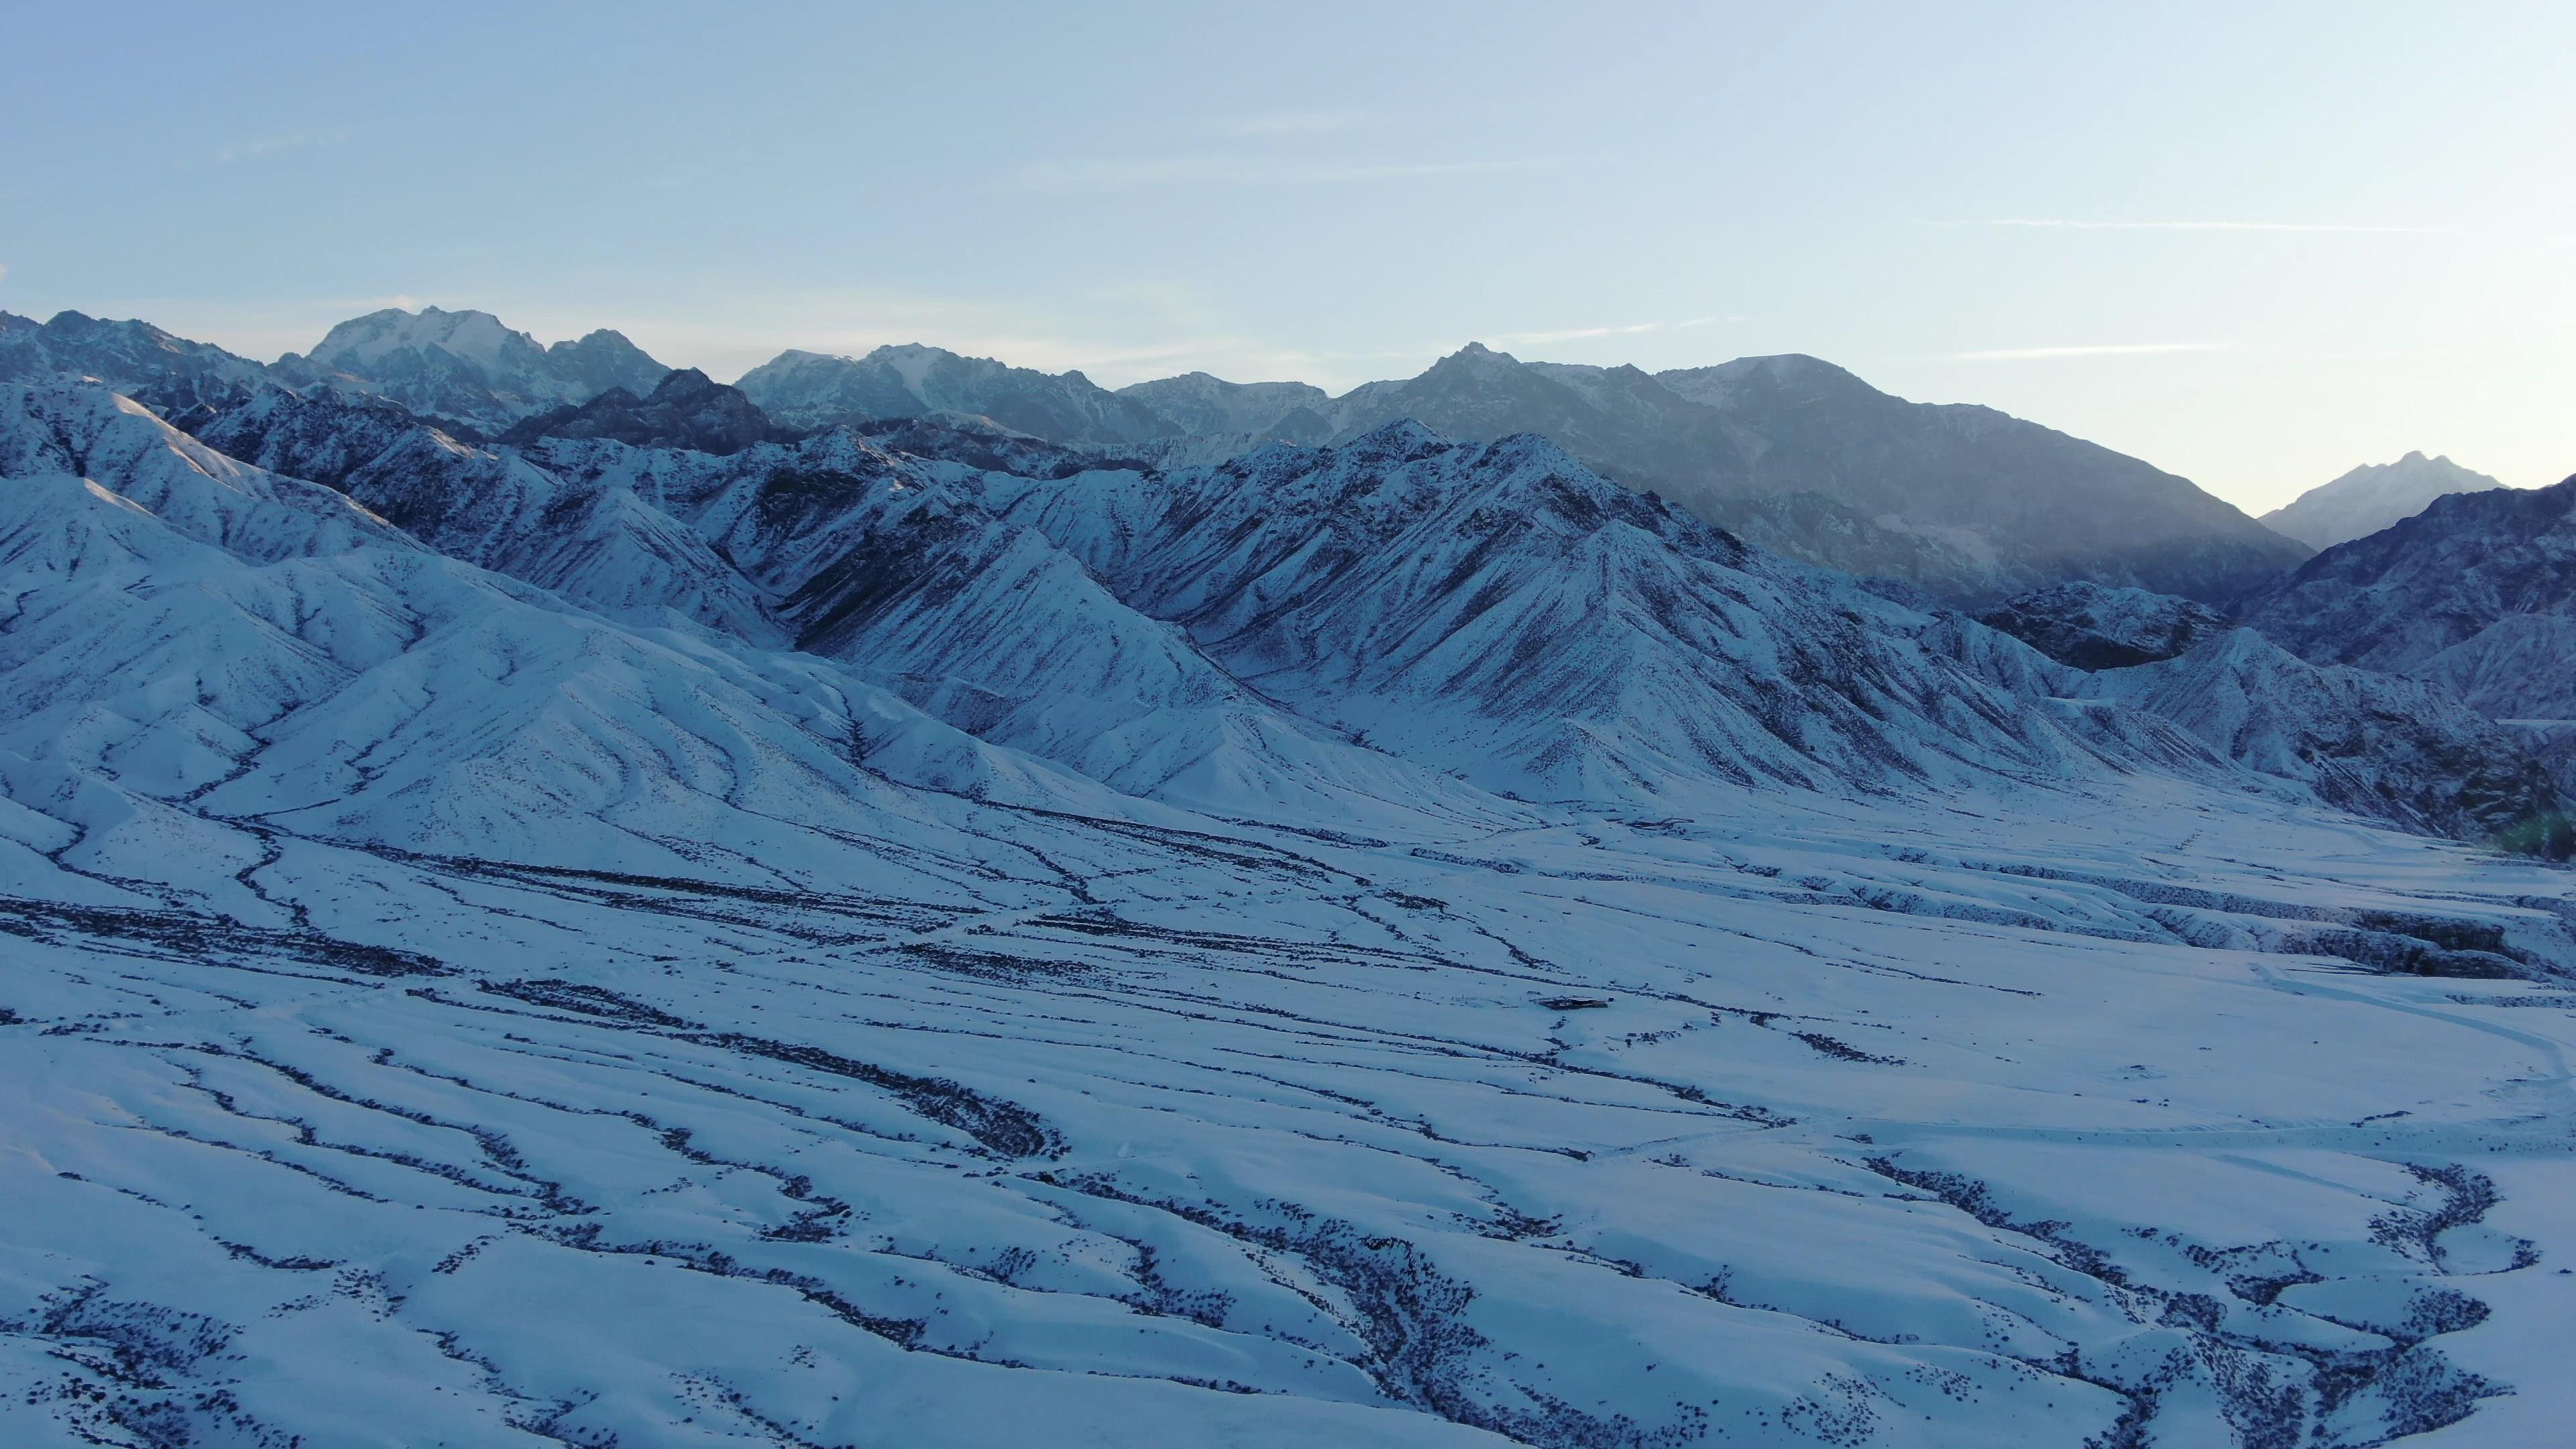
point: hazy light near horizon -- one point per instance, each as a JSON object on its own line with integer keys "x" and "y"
{"x": 2022, "y": 206}
{"x": 2111, "y": 349}
{"x": 2069, "y": 224}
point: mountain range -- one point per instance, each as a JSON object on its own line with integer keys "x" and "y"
{"x": 1796, "y": 454}
{"x": 646, "y": 918}
{"x": 1964, "y": 505}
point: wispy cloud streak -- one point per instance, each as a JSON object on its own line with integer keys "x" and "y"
{"x": 1575, "y": 334}
{"x": 275, "y": 145}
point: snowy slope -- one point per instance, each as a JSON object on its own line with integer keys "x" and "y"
{"x": 2376, "y": 744}
{"x": 2478, "y": 589}
{"x": 602, "y": 547}
{"x": 894, "y": 565}
{"x": 169, "y": 374}
{"x": 441, "y": 1011}
{"x": 1501, "y": 611}
{"x": 2370, "y": 498}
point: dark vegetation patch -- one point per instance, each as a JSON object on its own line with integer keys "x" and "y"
{"x": 1003, "y": 1127}
{"x": 193, "y": 936}
{"x": 588, "y": 1000}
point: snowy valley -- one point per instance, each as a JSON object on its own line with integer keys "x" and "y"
{"x": 546, "y": 900}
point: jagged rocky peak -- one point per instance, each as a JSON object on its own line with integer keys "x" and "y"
{"x": 2371, "y": 497}
{"x": 686, "y": 409}
{"x": 604, "y": 358}
{"x": 2093, "y": 626}
{"x": 169, "y": 374}
{"x": 468, "y": 365}
{"x": 323, "y": 436}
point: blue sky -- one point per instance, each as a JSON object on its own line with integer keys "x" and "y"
{"x": 2256, "y": 245}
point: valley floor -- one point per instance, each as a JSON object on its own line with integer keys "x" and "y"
{"x": 2112, "y": 1117}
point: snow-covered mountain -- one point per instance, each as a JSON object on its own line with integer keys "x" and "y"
{"x": 1793, "y": 454}
{"x": 811, "y": 389}
{"x": 465, "y": 980}
{"x": 468, "y": 366}
{"x": 2478, "y": 589}
{"x": 686, "y": 409}
{"x": 1503, "y": 610}
{"x": 1797, "y": 454}
{"x": 2370, "y": 498}
{"x": 1199, "y": 405}
{"x": 2003, "y": 505}
{"x": 1496, "y": 613}
{"x": 2395, "y": 748}
{"x": 2376, "y": 744}
{"x": 170, "y": 374}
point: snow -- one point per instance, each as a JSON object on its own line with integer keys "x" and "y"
{"x": 475, "y": 337}
{"x": 2372, "y": 497}
{"x": 1074, "y": 997}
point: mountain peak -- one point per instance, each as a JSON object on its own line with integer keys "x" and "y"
{"x": 686, "y": 410}
{"x": 2372, "y": 497}
{"x": 471, "y": 336}
{"x": 469, "y": 365}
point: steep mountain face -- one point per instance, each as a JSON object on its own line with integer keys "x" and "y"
{"x": 2406, "y": 750}
{"x": 2093, "y": 627}
{"x": 323, "y": 437}
{"x": 166, "y": 373}
{"x": 812, "y": 390}
{"x": 2370, "y": 498}
{"x": 685, "y": 410}
{"x": 73, "y": 430}
{"x": 2039, "y": 505}
{"x": 467, "y": 366}
{"x": 1966, "y": 502}
{"x": 1503, "y": 611}
{"x": 604, "y": 548}
{"x": 894, "y": 565}
{"x": 2376, "y": 744}
{"x": 2478, "y": 589}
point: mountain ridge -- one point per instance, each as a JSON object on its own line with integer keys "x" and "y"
{"x": 2478, "y": 588}
{"x": 1965, "y": 501}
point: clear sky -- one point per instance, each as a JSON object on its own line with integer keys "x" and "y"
{"x": 2254, "y": 244}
